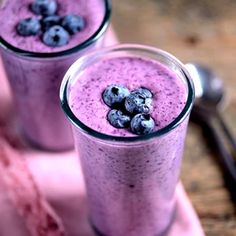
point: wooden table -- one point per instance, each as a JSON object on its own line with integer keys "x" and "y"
{"x": 201, "y": 31}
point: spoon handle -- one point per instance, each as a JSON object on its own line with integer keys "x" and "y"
{"x": 226, "y": 159}
{"x": 215, "y": 138}
{"x": 226, "y": 130}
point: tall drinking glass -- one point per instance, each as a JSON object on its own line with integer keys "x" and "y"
{"x": 130, "y": 181}
{"x": 35, "y": 78}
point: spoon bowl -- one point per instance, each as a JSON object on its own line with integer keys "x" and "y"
{"x": 209, "y": 88}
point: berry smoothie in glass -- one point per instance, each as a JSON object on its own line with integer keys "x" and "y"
{"x": 129, "y": 107}
{"x": 39, "y": 40}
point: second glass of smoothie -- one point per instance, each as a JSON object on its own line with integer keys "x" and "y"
{"x": 35, "y": 70}
{"x": 130, "y": 178}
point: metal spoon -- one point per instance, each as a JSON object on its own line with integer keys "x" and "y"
{"x": 208, "y": 105}
{"x": 209, "y": 94}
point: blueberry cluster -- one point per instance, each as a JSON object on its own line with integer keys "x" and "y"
{"x": 55, "y": 29}
{"x": 129, "y": 109}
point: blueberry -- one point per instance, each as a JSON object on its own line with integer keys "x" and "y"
{"x": 44, "y": 7}
{"x": 56, "y": 36}
{"x": 118, "y": 119}
{"x": 144, "y": 92}
{"x": 142, "y": 124}
{"x": 28, "y": 27}
{"x": 50, "y": 21}
{"x": 139, "y": 101}
{"x": 115, "y": 94}
{"x": 73, "y": 23}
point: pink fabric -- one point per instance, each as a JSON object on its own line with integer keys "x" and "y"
{"x": 59, "y": 178}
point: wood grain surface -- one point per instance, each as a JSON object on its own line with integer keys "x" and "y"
{"x": 202, "y": 31}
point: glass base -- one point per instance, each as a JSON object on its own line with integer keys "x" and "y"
{"x": 164, "y": 233}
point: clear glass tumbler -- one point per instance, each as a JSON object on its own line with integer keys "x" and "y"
{"x": 35, "y": 79}
{"x": 130, "y": 181}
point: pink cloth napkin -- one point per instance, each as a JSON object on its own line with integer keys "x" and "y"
{"x": 59, "y": 185}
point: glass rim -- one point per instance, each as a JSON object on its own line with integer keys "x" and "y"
{"x": 122, "y": 47}
{"x": 93, "y": 38}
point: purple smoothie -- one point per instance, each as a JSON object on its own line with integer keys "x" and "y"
{"x": 169, "y": 93}
{"x": 91, "y": 10}
{"x": 35, "y": 77}
{"x": 130, "y": 179}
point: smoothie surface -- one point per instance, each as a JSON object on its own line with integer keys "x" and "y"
{"x": 85, "y": 99}
{"x": 13, "y": 11}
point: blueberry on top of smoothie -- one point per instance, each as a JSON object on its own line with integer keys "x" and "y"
{"x": 54, "y": 29}
{"x": 144, "y": 92}
{"x": 56, "y": 36}
{"x": 114, "y": 95}
{"x": 133, "y": 108}
{"x": 49, "y": 21}
{"x": 73, "y": 23}
{"x": 44, "y": 7}
{"x": 139, "y": 101}
{"x": 118, "y": 119}
{"x": 28, "y": 27}
{"x": 142, "y": 124}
